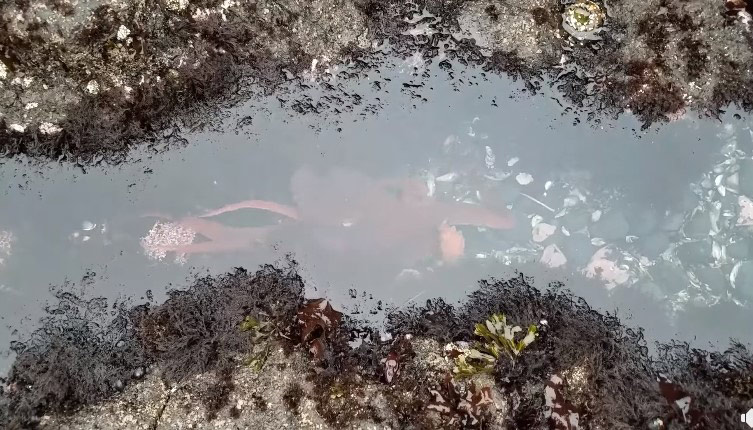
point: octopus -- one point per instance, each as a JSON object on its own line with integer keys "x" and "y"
{"x": 349, "y": 212}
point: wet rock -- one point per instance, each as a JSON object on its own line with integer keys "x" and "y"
{"x": 746, "y": 177}
{"x": 509, "y": 192}
{"x": 134, "y": 67}
{"x": 673, "y": 221}
{"x": 611, "y": 226}
{"x": 695, "y": 253}
{"x": 712, "y": 278}
{"x": 646, "y": 221}
{"x": 577, "y": 219}
{"x": 740, "y": 248}
{"x": 138, "y": 373}
{"x": 143, "y": 67}
{"x": 651, "y": 289}
{"x": 291, "y": 391}
{"x": 148, "y": 396}
{"x": 741, "y": 279}
{"x": 119, "y": 385}
{"x": 698, "y": 225}
{"x": 578, "y": 249}
{"x": 671, "y": 278}
{"x": 530, "y": 207}
{"x": 654, "y": 244}
{"x": 529, "y": 29}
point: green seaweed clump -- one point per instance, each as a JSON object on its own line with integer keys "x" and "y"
{"x": 498, "y": 339}
{"x": 261, "y": 332}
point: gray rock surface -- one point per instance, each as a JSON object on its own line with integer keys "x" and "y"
{"x": 259, "y": 400}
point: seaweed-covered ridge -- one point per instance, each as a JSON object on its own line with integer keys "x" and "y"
{"x": 247, "y": 350}
{"x": 84, "y": 79}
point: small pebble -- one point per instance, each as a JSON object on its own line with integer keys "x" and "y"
{"x": 138, "y": 373}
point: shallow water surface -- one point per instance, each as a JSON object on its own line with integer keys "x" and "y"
{"x": 420, "y": 200}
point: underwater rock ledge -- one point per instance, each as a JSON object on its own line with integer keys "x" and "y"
{"x": 83, "y": 80}
{"x": 246, "y": 350}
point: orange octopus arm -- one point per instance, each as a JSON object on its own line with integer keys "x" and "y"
{"x": 285, "y": 210}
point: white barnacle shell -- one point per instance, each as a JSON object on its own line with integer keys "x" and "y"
{"x": 583, "y": 20}
{"x": 123, "y": 33}
{"x": 92, "y": 87}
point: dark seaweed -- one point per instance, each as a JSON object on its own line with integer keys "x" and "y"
{"x": 77, "y": 358}
{"x": 234, "y": 53}
{"x": 74, "y": 360}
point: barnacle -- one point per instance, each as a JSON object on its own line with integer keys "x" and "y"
{"x": 583, "y": 20}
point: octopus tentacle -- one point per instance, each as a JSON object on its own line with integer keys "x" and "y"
{"x": 278, "y": 208}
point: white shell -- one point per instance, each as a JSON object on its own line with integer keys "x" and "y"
{"x": 490, "y": 158}
{"x": 733, "y": 274}
{"x": 524, "y": 178}
{"x": 553, "y": 257}
{"x": 542, "y": 231}
{"x": 447, "y": 177}
{"x": 431, "y": 185}
{"x": 745, "y": 216}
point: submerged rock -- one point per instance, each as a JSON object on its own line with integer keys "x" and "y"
{"x": 612, "y": 225}
{"x": 741, "y": 279}
{"x": 695, "y": 253}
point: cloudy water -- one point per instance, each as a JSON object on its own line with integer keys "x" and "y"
{"x": 449, "y": 182}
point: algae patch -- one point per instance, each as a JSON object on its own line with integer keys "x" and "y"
{"x": 185, "y": 363}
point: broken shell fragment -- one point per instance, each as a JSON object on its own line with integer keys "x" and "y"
{"x": 542, "y": 231}
{"x": 123, "y": 33}
{"x": 447, "y": 177}
{"x": 553, "y": 257}
{"x": 745, "y": 215}
{"x": 606, "y": 269}
{"x": 741, "y": 279}
{"x": 524, "y": 178}
{"x": 92, "y": 87}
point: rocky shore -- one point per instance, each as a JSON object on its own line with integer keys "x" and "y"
{"x": 84, "y": 80}
{"x": 246, "y": 350}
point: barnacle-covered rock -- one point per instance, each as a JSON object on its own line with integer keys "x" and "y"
{"x": 583, "y": 20}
